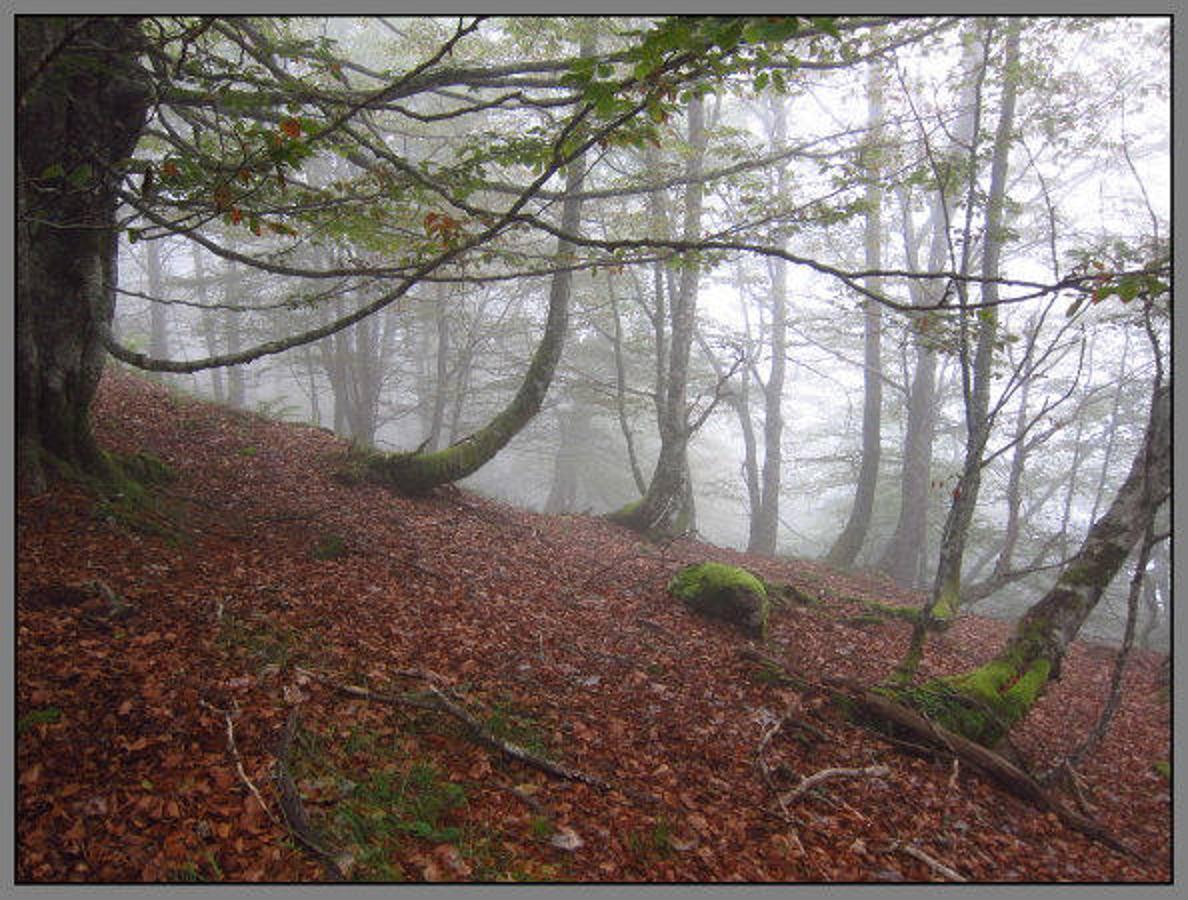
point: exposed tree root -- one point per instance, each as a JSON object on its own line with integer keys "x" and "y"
{"x": 294, "y": 811}
{"x": 983, "y": 759}
{"x": 811, "y": 781}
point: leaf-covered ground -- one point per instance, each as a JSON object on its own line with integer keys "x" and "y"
{"x": 556, "y": 632}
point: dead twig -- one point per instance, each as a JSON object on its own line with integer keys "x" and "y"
{"x": 229, "y": 719}
{"x": 296, "y": 818}
{"x": 809, "y": 782}
{"x": 936, "y": 865}
{"x": 439, "y": 701}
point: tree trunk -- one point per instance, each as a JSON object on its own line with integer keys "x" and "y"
{"x": 233, "y": 336}
{"x": 665, "y": 509}
{"x": 158, "y": 319}
{"x": 946, "y": 591}
{"x": 765, "y": 519}
{"x": 573, "y": 429}
{"x": 849, "y": 543}
{"x": 207, "y": 323}
{"x": 903, "y": 557}
{"x": 82, "y": 102}
{"x": 417, "y": 472}
{"x": 1007, "y": 687}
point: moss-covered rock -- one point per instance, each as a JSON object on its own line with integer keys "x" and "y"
{"x": 724, "y": 592}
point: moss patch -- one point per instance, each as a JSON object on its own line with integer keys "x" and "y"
{"x": 981, "y": 705}
{"x": 724, "y": 592}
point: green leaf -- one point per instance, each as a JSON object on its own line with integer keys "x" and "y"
{"x": 761, "y": 81}
{"x": 828, "y": 24}
{"x": 81, "y": 175}
{"x": 1128, "y": 288}
{"x": 54, "y": 171}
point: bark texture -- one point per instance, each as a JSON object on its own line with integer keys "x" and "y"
{"x": 82, "y": 102}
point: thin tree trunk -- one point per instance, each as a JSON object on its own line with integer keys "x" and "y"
{"x": 765, "y": 520}
{"x": 665, "y": 509}
{"x": 208, "y": 323}
{"x": 946, "y": 592}
{"x": 849, "y": 543}
{"x": 641, "y": 483}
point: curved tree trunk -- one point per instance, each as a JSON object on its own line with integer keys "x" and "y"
{"x": 1008, "y": 686}
{"x": 82, "y": 102}
{"x": 417, "y": 472}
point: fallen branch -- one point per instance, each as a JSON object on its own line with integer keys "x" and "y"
{"x": 990, "y": 763}
{"x": 439, "y": 701}
{"x": 228, "y": 718}
{"x": 936, "y": 865}
{"x": 514, "y": 750}
{"x": 811, "y": 781}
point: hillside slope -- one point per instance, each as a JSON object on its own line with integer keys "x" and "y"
{"x": 556, "y": 632}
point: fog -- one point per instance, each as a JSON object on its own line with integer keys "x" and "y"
{"x": 790, "y": 195}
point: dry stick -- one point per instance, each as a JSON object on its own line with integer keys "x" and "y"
{"x": 228, "y": 718}
{"x": 992, "y": 764}
{"x": 811, "y": 781}
{"x": 915, "y": 852}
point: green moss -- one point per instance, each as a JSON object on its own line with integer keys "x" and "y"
{"x": 945, "y": 608}
{"x": 981, "y": 705}
{"x": 713, "y": 588}
{"x": 782, "y": 593}
{"x": 623, "y": 514}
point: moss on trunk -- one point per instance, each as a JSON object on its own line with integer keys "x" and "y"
{"x": 983, "y": 704}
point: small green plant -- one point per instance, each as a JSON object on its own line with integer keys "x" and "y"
{"x": 1163, "y": 769}
{"x": 540, "y": 827}
{"x": 191, "y": 872}
{"x": 46, "y": 716}
{"x": 248, "y": 451}
{"x": 330, "y": 546}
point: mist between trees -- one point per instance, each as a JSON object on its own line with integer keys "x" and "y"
{"x": 889, "y": 291}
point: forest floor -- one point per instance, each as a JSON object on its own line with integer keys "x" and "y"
{"x": 150, "y": 718}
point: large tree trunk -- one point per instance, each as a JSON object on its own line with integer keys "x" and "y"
{"x": 81, "y": 105}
